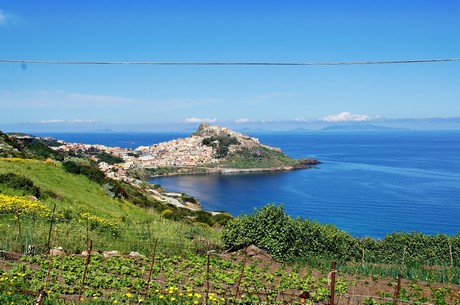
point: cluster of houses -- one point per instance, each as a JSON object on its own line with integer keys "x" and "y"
{"x": 186, "y": 152}
{"x": 116, "y": 171}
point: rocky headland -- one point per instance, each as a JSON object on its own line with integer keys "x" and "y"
{"x": 209, "y": 150}
{"x": 215, "y": 150}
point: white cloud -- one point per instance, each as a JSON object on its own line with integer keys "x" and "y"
{"x": 79, "y": 121}
{"x": 243, "y": 120}
{"x": 198, "y": 120}
{"x": 50, "y": 121}
{"x": 299, "y": 120}
{"x": 347, "y": 117}
{"x": 7, "y": 19}
{"x": 2, "y": 18}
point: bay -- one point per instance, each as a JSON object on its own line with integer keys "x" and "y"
{"x": 369, "y": 184}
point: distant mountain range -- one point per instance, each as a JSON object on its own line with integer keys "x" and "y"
{"x": 361, "y": 127}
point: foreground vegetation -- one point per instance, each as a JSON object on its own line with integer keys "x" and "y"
{"x": 288, "y": 238}
{"x": 49, "y": 200}
{"x": 84, "y": 208}
{"x": 184, "y": 279}
{"x": 192, "y": 278}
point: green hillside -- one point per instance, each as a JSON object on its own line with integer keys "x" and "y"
{"x": 82, "y": 206}
{"x": 73, "y": 193}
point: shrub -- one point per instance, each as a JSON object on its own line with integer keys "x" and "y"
{"x": 204, "y": 217}
{"x": 288, "y": 238}
{"x": 21, "y": 183}
{"x": 222, "y": 218}
{"x": 92, "y": 172}
{"x": 42, "y": 151}
{"x": 269, "y": 228}
{"x": 19, "y": 205}
{"x": 109, "y": 158}
{"x": 168, "y": 214}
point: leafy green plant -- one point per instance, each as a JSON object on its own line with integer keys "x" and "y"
{"x": 288, "y": 238}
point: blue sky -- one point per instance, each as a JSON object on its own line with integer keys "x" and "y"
{"x": 35, "y": 97}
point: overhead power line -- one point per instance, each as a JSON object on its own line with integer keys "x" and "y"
{"x": 157, "y": 63}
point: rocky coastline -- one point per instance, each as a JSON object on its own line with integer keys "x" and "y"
{"x": 303, "y": 164}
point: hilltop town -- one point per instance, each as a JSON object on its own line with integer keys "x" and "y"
{"x": 211, "y": 149}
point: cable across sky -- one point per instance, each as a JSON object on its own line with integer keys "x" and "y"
{"x": 178, "y": 63}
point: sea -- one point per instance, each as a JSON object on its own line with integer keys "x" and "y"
{"x": 369, "y": 183}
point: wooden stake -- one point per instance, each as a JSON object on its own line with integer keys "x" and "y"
{"x": 241, "y": 276}
{"x": 86, "y": 266}
{"x": 87, "y": 231}
{"x": 51, "y": 258}
{"x": 41, "y": 295}
{"x": 398, "y": 287}
{"x": 333, "y": 266}
{"x": 206, "y": 296}
{"x": 152, "y": 265}
{"x": 19, "y": 225}
{"x": 42, "y": 292}
{"x": 51, "y": 226}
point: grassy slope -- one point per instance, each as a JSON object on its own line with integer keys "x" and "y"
{"x": 76, "y": 195}
{"x": 76, "y": 192}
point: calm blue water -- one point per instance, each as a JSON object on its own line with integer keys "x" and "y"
{"x": 369, "y": 184}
